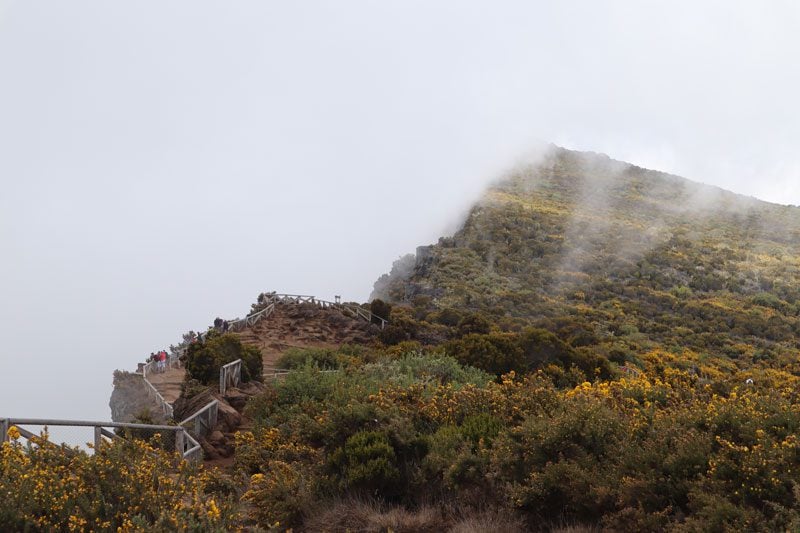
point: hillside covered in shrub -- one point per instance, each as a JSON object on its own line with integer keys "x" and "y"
{"x": 615, "y": 261}
{"x": 600, "y": 347}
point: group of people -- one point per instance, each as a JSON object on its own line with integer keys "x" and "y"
{"x": 160, "y": 358}
{"x": 221, "y": 325}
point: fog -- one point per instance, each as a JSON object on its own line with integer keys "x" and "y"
{"x": 163, "y": 163}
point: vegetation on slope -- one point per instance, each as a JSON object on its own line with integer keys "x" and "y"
{"x": 123, "y": 486}
{"x": 598, "y": 346}
{"x": 616, "y": 261}
{"x": 657, "y": 451}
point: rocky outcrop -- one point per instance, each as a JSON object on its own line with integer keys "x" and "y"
{"x": 130, "y": 400}
{"x": 219, "y": 442}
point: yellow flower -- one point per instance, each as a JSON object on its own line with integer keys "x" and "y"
{"x": 213, "y": 510}
{"x": 13, "y": 433}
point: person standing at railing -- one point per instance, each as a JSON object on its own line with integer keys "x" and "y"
{"x": 162, "y": 361}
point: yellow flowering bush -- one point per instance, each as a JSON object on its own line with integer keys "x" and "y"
{"x": 670, "y": 444}
{"x": 125, "y": 486}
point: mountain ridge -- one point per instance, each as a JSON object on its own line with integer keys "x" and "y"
{"x": 615, "y": 247}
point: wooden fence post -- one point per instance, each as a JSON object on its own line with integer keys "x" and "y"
{"x": 180, "y": 440}
{"x": 98, "y": 438}
{"x": 4, "y": 427}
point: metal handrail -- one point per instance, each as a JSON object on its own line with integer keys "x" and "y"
{"x": 359, "y": 312}
{"x": 230, "y": 375}
{"x": 204, "y": 420}
{"x": 153, "y": 391}
{"x": 182, "y": 438}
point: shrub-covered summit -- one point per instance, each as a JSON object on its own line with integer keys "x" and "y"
{"x": 617, "y": 260}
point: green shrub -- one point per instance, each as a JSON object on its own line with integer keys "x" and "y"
{"x": 298, "y": 357}
{"x": 446, "y": 317}
{"x": 497, "y": 353}
{"x": 481, "y": 427}
{"x": 393, "y": 334}
{"x": 474, "y": 323}
{"x": 204, "y": 359}
{"x": 367, "y": 463}
{"x": 380, "y": 309}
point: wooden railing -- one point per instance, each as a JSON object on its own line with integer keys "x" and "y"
{"x": 203, "y": 421}
{"x": 275, "y": 373}
{"x": 353, "y": 310}
{"x": 165, "y": 407}
{"x": 270, "y": 299}
{"x": 185, "y": 444}
{"x": 230, "y": 375}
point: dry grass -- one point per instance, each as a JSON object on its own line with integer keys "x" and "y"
{"x": 364, "y": 516}
{"x": 575, "y": 528}
{"x": 488, "y": 522}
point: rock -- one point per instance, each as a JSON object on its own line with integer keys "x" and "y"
{"x": 237, "y": 398}
{"x": 216, "y": 437}
{"x": 209, "y": 451}
{"x": 228, "y": 417}
{"x": 252, "y": 388}
{"x": 129, "y": 399}
{"x": 184, "y": 408}
{"x": 226, "y": 449}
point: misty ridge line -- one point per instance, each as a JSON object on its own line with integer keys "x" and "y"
{"x": 619, "y": 209}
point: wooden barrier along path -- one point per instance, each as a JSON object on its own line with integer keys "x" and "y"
{"x": 185, "y": 444}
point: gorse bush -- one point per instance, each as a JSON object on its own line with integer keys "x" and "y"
{"x": 367, "y": 462}
{"x": 323, "y": 358}
{"x": 657, "y": 451}
{"x": 125, "y": 486}
{"x": 497, "y": 353}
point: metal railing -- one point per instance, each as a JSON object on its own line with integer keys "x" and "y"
{"x": 354, "y": 311}
{"x": 203, "y": 421}
{"x": 152, "y": 391}
{"x": 270, "y": 299}
{"x": 250, "y": 320}
{"x": 230, "y": 375}
{"x": 185, "y": 444}
{"x": 275, "y": 373}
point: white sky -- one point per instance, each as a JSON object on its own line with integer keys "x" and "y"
{"x": 162, "y": 163}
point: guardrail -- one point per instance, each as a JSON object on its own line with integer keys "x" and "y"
{"x": 354, "y": 310}
{"x": 185, "y": 444}
{"x": 166, "y": 408}
{"x": 275, "y": 374}
{"x": 250, "y": 320}
{"x": 270, "y": 299}
{"x": 230, "y": 375}
{"x": 203, "y": 420}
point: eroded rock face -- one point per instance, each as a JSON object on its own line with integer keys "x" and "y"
{"x": 130, "y": 400}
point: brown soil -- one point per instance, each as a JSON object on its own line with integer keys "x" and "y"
{"x": 305, "y": 326}
{"x": 168, "y": 383}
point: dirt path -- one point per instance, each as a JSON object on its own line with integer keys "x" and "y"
{"x": 168, "y": 383}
